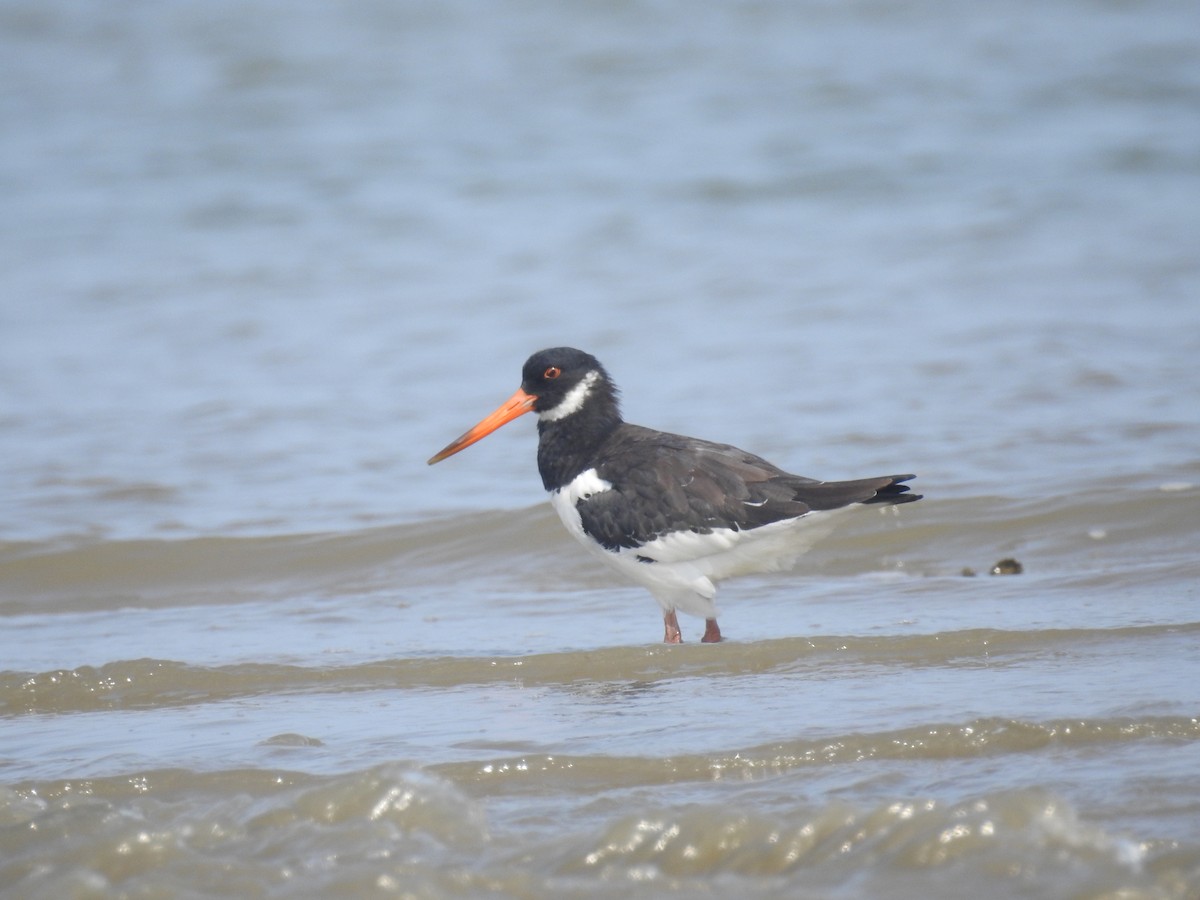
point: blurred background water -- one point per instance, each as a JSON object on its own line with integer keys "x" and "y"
{"x": 260, "y": 260}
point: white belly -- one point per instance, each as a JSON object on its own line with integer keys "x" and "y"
{"x": 687, "y": 565}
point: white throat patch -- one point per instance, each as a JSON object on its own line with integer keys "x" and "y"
{"x": 574, "y": 399}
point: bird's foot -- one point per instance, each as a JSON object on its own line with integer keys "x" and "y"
{"x": 671, "y": 624}
{"x": 712, "y": 633}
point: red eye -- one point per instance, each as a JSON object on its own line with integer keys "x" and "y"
{"x": 552, "y": 372}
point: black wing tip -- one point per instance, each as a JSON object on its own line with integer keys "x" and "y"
{"x": 895, "y": 491}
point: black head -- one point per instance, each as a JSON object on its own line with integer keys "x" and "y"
{"x": 563, "y": 380}
{"x": 555, "y": 384}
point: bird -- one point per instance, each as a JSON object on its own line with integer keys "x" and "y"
{"x": 675, "y": 514}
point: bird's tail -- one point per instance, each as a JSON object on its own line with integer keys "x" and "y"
{"x": 886, "y": 489}
{"x": 894, "y": 491}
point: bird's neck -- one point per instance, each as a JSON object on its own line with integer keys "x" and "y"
{"x": 568, "y": 446}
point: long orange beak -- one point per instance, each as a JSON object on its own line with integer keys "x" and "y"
{"x": 516, "y": 405}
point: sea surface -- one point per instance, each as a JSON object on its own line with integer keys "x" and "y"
{"x": 260, "y": 260}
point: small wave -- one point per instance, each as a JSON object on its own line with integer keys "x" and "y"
{"x": 40, "y": 578}
{"x": 934, "y": 741}
{"x": 154, "y": 833}
{"x": 155, "y": 683}
{"x": 390, "y": 827}
{"x": 1069, "y": 534}
{"x": 1021, "y": 824}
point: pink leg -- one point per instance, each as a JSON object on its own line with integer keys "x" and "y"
{"x": 712, "y": 634}
{"x": 672, "y": 635}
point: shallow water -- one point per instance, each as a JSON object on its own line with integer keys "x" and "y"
{"x": 259, "y": 262}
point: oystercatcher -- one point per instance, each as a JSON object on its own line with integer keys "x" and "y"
{"x": 676, "y": 514}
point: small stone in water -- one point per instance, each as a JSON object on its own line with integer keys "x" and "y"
{"x": 1008, "y": 566}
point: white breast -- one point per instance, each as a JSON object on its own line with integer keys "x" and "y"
{"x": 564, "y": 501}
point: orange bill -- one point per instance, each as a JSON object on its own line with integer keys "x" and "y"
{"x": 516, "y": 405}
